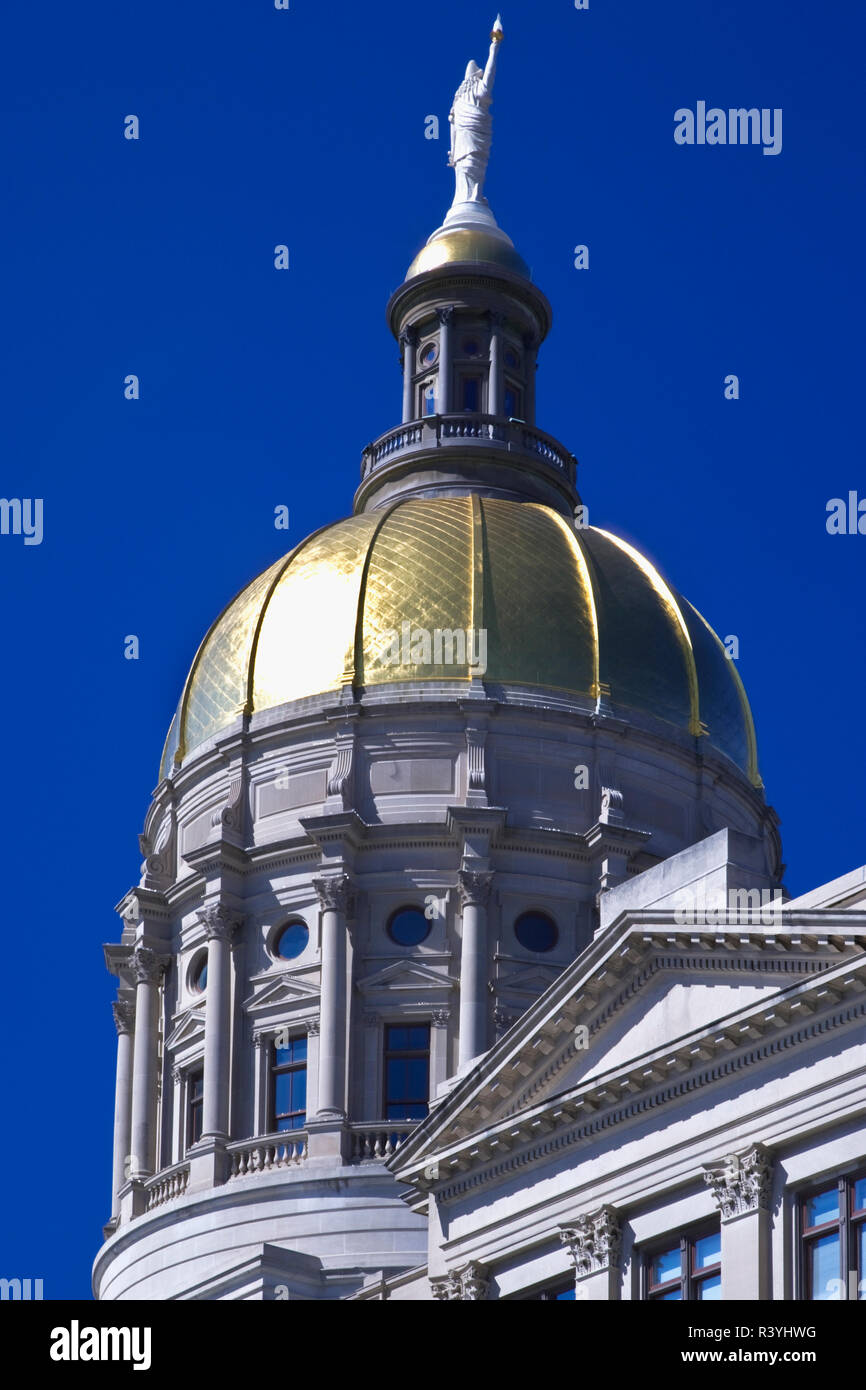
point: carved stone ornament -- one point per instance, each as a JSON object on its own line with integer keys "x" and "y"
{"x": 124, "y": 1015}
{"x": 741, "y": 1181}
{"x": 313, "y": 1025}
{"x": 440, "y": 1017}
{"x": 594, "y": 1241}
{"x": 334, "y": 894}
{"x": 467, "y": 1285}
{"x": 474, "y": 888}
{"x": 146, "y": 966}
{"x": 502, "y": 1020}
{"x": 220, "y": 922}
{"x": 230, "y": 814}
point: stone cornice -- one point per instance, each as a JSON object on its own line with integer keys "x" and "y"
{"x": 786, "y": 1019}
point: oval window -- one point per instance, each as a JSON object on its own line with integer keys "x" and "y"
{"x": 408, "y": 926}
{"x": 536, "y": 931}
{"x": 429, "y": 354}
{"x": 198, "y": 975}
{"x": 292, "y": 940}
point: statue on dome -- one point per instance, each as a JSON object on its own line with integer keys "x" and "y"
{"x": 472, "y": 125}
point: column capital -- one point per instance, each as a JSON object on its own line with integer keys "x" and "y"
{"x": 445, "y": 314}
{"x": 474, "y": 887}
{"x": 440, "y": 1018}
{"x": 741, "y": 1181}
{"x": 124, "y": 1015}
{"x": 467, "y": 1285}
{"x": 334, "y": 894}
{"x": 146, "y": 966}
{"x": 313, "y": 1026}
{"x": 594, "y": 1241}
{"x": 409, "y": 336}
{"x": 220, "y": 923}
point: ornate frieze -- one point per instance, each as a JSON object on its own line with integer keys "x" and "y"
{"x": 474, "y": 888}
{"x": 741, "y": 1181}
{"x": 594, "y": 1241}
{"x": 469, "y": 1284}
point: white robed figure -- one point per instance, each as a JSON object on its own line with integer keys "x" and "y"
{"x": 472, "y": 125}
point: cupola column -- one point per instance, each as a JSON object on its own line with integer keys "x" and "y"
{"x": 408, "y": 342}
{"x": 335, "y": 897}
{"x": 147, "y": 970}
{"x": 496, "y": 387}
{"x": 531, "y": 359}
{"x": 446, "y": 361}
{"x": 474, "y": 895}
{"x": 124, "y": 1018}
{"x": 221, "y": 925}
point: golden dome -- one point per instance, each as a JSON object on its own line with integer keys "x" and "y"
{"x": 468, "y": 247}
{"x": 578, "y": 611}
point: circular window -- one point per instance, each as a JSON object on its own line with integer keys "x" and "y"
{"x": 511, "y": 358}
{"x": 198, "y": 974}
{"x": 291, "y": 941}
{"x": 408, "y": 926}
{"x": 471, "y": 348}
{"x": 536, "y": 931}
{"x": 429, "y": 354}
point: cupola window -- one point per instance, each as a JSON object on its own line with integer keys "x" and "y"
{"x": 407, "y": 1071}
{"x": 289, "y": 1085}
{"x": 408, "y": 926}
{"x": 536, "y": 931}
{"x": 471, "y": 394}
{"x": 428, "y": 399}
{"x": 429, "y": 353}
{"x": 194, "y": 1105}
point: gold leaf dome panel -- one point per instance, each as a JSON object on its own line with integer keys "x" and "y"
{"x": 578, "y": 611}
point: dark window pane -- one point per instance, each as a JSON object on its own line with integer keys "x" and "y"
{"x": 861, "y": 1262}
{"x": 535, "y": 931}
{"x": 419, "y": 1039}
{"x": 299, "y": 1089}
{"x": 402, "y": 1110}
{"x": 409, "y": 926}
{"x": 825, "y": 1282}
{"x": 673, "y": 1297}
{"x": 824, "y": 1206}
{"x": 283, "y": 1092}
{"x": 565, "y": 1295}
{"x": 416, "y": 1079}
{"x": 510, "y": 403}
{"x": 860, "y": 1194}
{"x": 470, "y": 393}
{"x": 299, "y": 1049}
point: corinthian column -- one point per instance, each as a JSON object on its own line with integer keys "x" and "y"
{"x": 741, "y": 1183}
{"x": 408, "y": 341}
{"x": 220, "y": 925}
{"x": 335, "y": 896}
{"x": 124, "y": 1017}
{"x": 147, "y": 969}
{"x": 474, "y": 894}
{"x": 446, "y": 356}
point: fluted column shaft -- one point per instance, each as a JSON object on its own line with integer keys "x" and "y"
{"x": 496, "y": 386}
{"x": 474, "y": 895}
{"x": 335, "y": 898}
{"x": 446, "y": 361}
{"x": 408, "y": 340}
{"x": 147, "y": 970}
{"x": 220, "y": 926}
{"x": 124, "y": 1015}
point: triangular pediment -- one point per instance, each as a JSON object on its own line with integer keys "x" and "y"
{"x": 283, "y": 989}
{"x": 188, "y": 1029}
{"x": 405, "y": 974}
{"x": 529, "y": 981}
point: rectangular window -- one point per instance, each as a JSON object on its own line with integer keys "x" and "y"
{"x": 407, "y": 1071}
{"x": 428, "y": 399}
{"x": 194, "y": 1105}
{"x": 289, "y": 1085}
{"x": 833, "y": 1240}
{"x": 471, "y": 393}
{"x": 685, "y": 1267}
{"x": 512, "y": 402}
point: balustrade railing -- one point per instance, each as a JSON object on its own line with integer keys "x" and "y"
{"x": 376, "y": 1141}
{"x": 167, "y": 1186}
{"x": 433, "y": 430}
{"x": 268, "y": 1154}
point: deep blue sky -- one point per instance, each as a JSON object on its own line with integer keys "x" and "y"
{"x": 261, "y": 127}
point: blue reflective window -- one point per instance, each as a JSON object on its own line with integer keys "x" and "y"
{"x": 536, "y": 931}
{"x": 292, "y": 940}
{"x": 199, "y": 980}
{"x": 407, "y": 1071}
{"x": 408, "y": 926}
{"x": 429, "y": 400}
{"x": 826, "y": 1284}
{"x": 708, "y": 1250}
{"x": 667, "y": 1265}
{"x": 289, "y": 1085}
{"x": 510, "y": 403}
{"x": 710, "y": 1289}
{"x": 823, "y": 1207}
{"x": 195, "y": 1105}
{"x": 471, "y": 393}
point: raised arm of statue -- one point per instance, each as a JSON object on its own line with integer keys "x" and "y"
{"x": 490, "y": 70}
